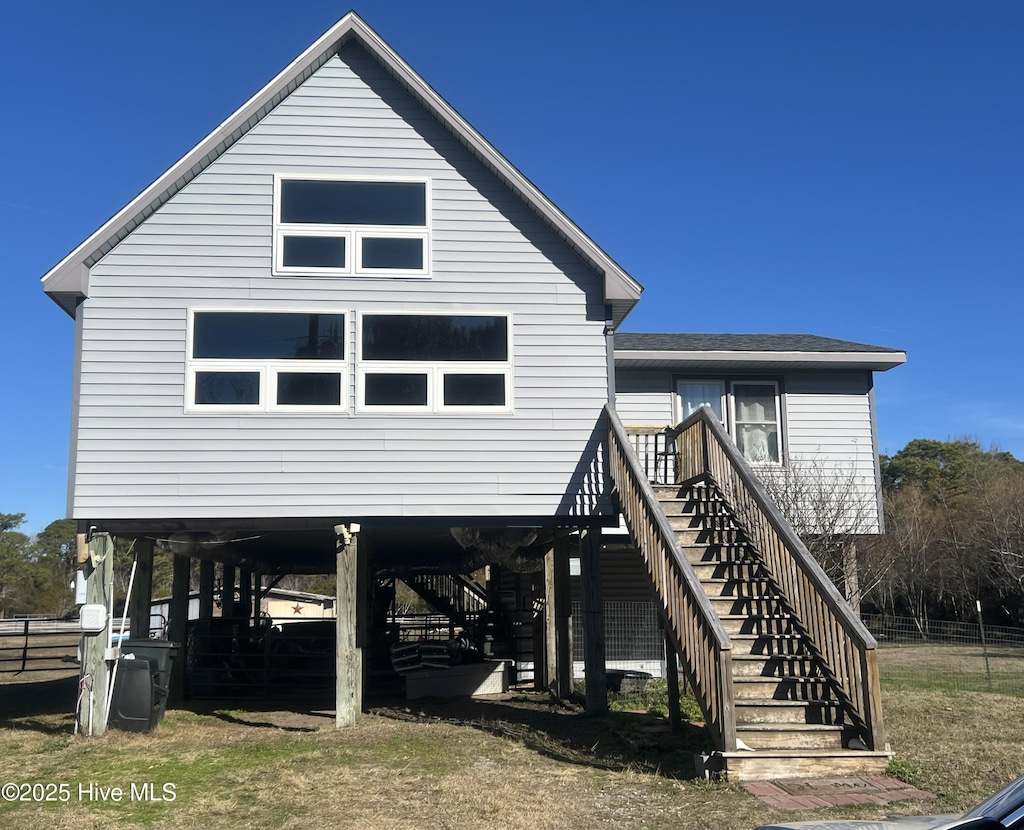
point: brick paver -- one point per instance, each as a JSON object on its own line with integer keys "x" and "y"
{"x": 887, "y": 790}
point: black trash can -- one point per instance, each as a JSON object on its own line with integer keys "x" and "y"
{"x": 161, "y": 653}
{"x": 133, "y": 704}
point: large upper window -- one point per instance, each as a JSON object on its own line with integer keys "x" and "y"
{"x": 341, "y": 226}
{"x": 260, "y": 361}
{"x": 435, "y": 362}
{"x": 748, "y": 409}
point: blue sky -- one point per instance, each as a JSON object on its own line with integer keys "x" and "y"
{"x": 849, "y": 169}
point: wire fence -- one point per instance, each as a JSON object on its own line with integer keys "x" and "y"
{"x": 925, "y": 654}
{"x": 948, "y": 656}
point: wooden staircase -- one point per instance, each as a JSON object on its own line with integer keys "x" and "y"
{"x": 785, "y": 673}
{"x": 789, "y": 720}
{"x": 455, "y": 596}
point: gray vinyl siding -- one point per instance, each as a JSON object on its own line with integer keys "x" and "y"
{"x": 830, "y": 426}
{"x": 827, "y": 424}
{"x": 644, "y": 398}
{"x": 141, "y": 456}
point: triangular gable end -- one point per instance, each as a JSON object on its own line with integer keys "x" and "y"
{"x": 68, "y": 281}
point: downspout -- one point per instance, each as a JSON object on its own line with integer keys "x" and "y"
{"x": 609, "y": 339}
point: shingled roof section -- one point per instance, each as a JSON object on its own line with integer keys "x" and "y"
{"x": 690, "y": 342}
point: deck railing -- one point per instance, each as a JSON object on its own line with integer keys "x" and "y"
{"x": 847, "y": 648}
{"x": 690, "y": 620}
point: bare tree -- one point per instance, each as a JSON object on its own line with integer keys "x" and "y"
{"x": 830, "y": 509}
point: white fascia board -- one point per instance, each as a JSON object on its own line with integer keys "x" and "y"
{"x": 879, "y": 360}
{"x": 618, "y": 284}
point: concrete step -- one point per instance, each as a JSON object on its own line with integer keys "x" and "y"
{"x": 769, "y": 765}
{"x": 760, "y": 736}
{"x": 788, "y": 711}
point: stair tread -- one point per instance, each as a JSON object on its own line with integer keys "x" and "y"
{"x": 793, "y": 727}
{"x": 762, "y": 636}
{"x": 789, "y": 704}
{"x": 807, "y": 753}
{"x": 722, "y": 580}
{"x": 767, "y": 657}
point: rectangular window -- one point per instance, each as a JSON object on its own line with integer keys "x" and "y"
{"x": 396, "y": 389}
{"x": 355, "y": 227}
{"x": 749, "y": 410}
{"x": 693, "y": 394}
{"x": 435, "y": 362}
{"x": 756, "y": 420}
{"x": 264, "y": 361}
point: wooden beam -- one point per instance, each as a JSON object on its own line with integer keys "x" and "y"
{"x": 141, "y": 602}
{"x": 593, "y": 622}
{"x": 348, "y": 653}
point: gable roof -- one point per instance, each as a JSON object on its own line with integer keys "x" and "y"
{"x": 713, "y": 352}
{"x": 68, "y": 281}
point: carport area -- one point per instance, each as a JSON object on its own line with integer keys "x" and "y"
{"x": 495, "y": 610}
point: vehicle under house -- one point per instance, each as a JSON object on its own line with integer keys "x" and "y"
{"x": 344, "y": 335}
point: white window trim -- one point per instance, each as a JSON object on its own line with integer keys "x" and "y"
{"x": 353, "y": 234}
{"x": 735, "y": 424}
{"x": 267, "y": 369}
{"x": 435, "y": 370}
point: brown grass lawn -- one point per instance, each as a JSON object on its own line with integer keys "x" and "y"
{"x": 517, "y": 762}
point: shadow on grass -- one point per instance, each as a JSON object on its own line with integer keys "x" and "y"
{"x": 280, "y": 715}
{"x": 617, "y": 741}
{"x": 23, "y": 704}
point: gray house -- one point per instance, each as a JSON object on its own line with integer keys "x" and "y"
{"x": 343, "y": 334}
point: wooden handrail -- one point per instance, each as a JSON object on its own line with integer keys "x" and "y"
{"x": 845, "y": 645}
{"x": 691, "y": 622}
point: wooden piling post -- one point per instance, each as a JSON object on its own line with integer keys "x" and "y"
{"x": 348, "y": 651}
{"x": 141, "y": 602}
{"x": 95, "y": 674}
{"x": 593, "y": 622}
{"x": 177, "y": 625}
{"x": 558, "y": 617}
